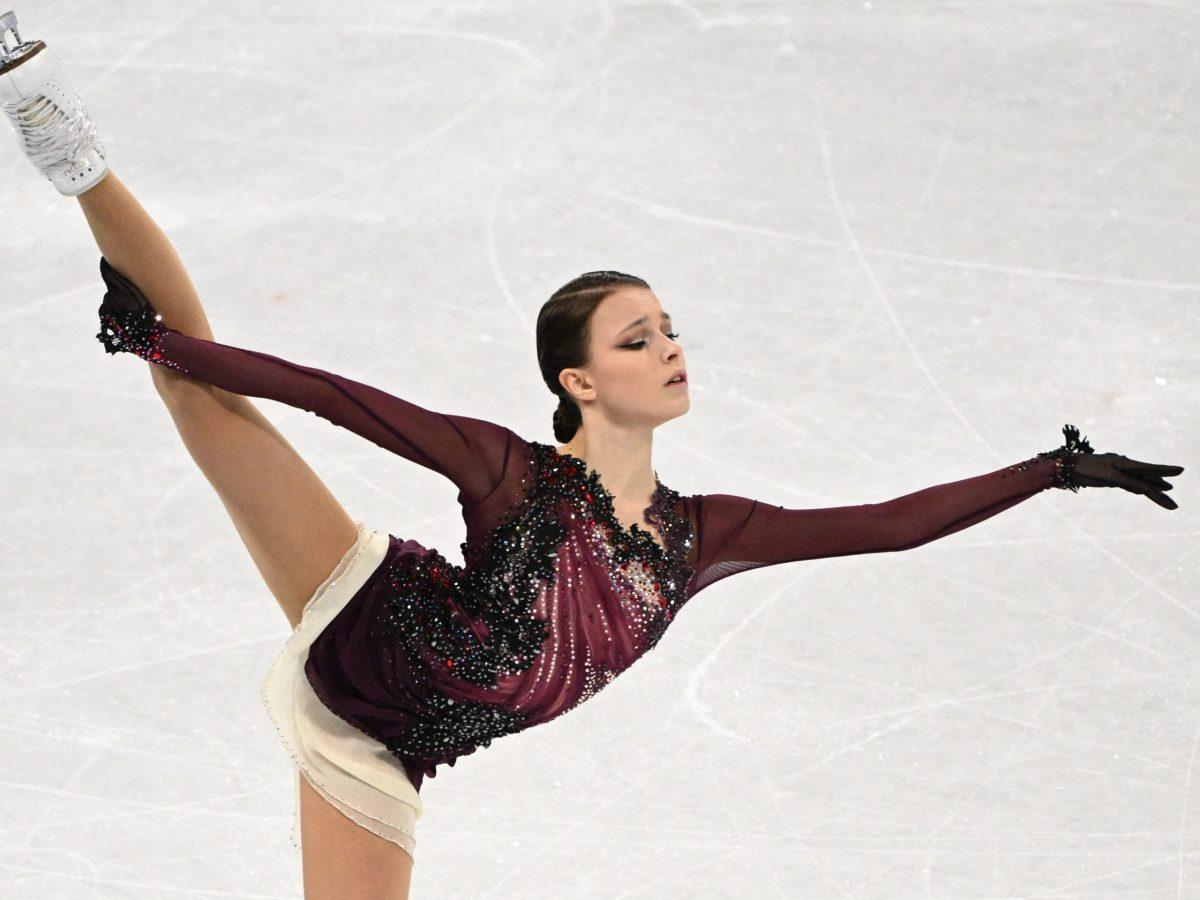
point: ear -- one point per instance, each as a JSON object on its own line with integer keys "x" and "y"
{"x": 575, "y": 382}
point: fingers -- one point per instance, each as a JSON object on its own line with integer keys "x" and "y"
{"x": 1154, "y": 481}
{"x": 1160, "y": 498}
{"x": 1130, "y": 465}
{"x": 1147, "y": 487}
{"x": 1148, "y": 475}
{"x": 1149, "y": 479}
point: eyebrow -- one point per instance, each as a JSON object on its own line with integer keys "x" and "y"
{"x": 666, "y": 317}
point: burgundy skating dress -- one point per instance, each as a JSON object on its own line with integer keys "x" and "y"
{"x": 422, "y": 661}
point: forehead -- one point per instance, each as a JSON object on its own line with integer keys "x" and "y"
{"x": 627, "y": 303}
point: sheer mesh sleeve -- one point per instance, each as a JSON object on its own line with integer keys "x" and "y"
{"x": 736, "y": 533}
{"x": 472, "y": 453}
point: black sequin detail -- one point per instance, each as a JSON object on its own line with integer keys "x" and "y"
{"x": 128, "y": 323}
{"x": 132, "y": 331}
{"x": 1064, "y": 459}
{"x": 476, "y": 623}
{"x": 670, "y": 568}
{"x": 473, "y": 624}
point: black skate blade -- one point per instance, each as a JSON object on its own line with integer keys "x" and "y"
{"x": 11, "y": 57}
{"x": 22, "y": 53}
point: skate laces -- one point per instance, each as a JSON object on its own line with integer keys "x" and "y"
{"x": 52, "y": 136}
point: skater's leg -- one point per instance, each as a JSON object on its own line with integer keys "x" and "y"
{"x": 295, "y": 530}
{"x": 293, "y": 527}
{"x": 344, "y": 861}
{"x": 137, "y": 248}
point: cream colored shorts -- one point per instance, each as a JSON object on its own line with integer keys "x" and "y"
{"x": 350, "y": 769}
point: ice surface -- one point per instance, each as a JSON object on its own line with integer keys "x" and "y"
{"x": 902, "y": 244}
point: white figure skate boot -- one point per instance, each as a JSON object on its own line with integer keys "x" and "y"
{"x": 52, "y": 124}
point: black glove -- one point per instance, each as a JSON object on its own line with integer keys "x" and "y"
{"x": 1111, "y": 470}
{"x": 127, "y": 320}
{"x": 1083, "y": 467}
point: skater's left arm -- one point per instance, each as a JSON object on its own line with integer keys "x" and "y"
{"x": 735, "y": 533}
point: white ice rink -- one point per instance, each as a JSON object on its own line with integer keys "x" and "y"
{"x": 902, "y": 243}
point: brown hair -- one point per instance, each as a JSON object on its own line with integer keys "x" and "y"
{"x": 563, "y": 334}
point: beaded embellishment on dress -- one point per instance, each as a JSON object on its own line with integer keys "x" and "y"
{"x": 634, "y": 550}
{"x": 1064, "y": 460}
{"x": 129, "y": 323}
{"x": 479, "y": 625}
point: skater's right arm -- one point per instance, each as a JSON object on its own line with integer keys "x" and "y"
{"x": 471, "y": 452}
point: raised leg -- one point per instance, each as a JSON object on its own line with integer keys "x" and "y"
{"x": 293, "y": 527}
{"x": 137, "y": 248}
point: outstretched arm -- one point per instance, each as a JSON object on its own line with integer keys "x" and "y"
{"x": 736, "y": 533}
{"x": 470, "y": 452}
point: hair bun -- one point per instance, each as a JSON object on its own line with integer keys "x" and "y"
{"x": 566, "y": 420}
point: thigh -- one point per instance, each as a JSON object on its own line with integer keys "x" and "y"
{"x": 293, "y": 527}
{"x": 344, "y": 861}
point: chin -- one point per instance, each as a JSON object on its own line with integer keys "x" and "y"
{"x": 681, "y": 409}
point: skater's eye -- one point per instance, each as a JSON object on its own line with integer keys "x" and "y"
{"x": 638, "y": 345}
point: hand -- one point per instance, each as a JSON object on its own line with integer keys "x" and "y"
{"x": 1112, "y": 470}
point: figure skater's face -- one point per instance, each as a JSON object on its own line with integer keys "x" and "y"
{"x": 633, "y": 354}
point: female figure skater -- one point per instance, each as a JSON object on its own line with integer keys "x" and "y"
{"x": 577, "y": 557}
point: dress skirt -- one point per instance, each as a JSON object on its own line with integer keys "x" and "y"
{"x": 350, "y": 769}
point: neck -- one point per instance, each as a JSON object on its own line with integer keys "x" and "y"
{"x": 622, "y": 460}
